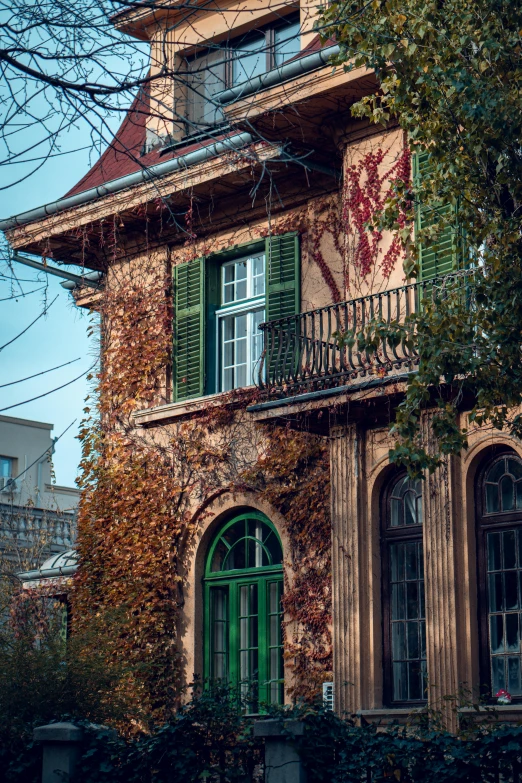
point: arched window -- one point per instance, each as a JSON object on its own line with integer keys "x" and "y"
{"x": 500, "y": 573}
{"x": 404, "y": 622}
{"x": 243, "y": 589}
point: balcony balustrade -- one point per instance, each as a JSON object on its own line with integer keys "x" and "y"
{"x": 325, "y": 348}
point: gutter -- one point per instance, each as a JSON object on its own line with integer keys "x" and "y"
{"x": 309, "y": 62}
{"x": 235, "y": 142}
{"x": 321, "y": 393}
{"x": 29, "y": 576}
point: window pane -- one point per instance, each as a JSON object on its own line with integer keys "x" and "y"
{"x": 241, "y": 346}
{"x": 241, "y": 377}
{"x": 408, "y": 633}
{"x": 496, "y": 631}
{"x": 495, "y": 593}
{"x": 287, "y": 42}
{"x": 6, "y": 467}
{"x": 249, "y": 59}
{"x": 258, "y": 275}
{"x": 497, "y": 471}
{"x": 400, "y": 681}
{"x": 512, "y": 633}
{"x": 498, "y": 679}
{"x": 509, "y": 549}
{"x": 205, "y": 79}
{"x": 406, "y": 503}
{"x": 511, "y": 590}
{"x": 507, "y": 491}
{"x": 492, "y": 504}
{"x": 411, "y": 560}
{"x": 493, "y": 551}
{"x": 515, "y": 468}
{"x": 219, "y": 641}
{"x": 513, "y": 667}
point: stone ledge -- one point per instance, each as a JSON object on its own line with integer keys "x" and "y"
{"x": 278, "y": 729}
{"x": 58, "y": 732}
{"x": 389, "y": 714}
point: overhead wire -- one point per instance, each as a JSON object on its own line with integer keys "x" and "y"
{"x": 36, "y": 374}
{"x": 45, "y": 394}
{"x": 44, "y": 311}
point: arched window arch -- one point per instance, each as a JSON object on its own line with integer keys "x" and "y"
{"x": 404, "y": 622}
{"x": 243, "y": 590}
{"x": 499, "y": 530}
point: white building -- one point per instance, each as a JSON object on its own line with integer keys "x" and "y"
{"x": 37, "y": 516}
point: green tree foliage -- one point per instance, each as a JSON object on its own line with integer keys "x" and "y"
{"x": 450, "y": 73}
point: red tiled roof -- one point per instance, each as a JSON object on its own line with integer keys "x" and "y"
{"x": 123, "y": 155}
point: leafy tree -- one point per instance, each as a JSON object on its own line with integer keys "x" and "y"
{"x": 451, "y": 74}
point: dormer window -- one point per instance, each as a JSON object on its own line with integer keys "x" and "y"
{"x": 232, "y": 62}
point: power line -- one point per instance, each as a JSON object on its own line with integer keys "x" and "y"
{"x": 28, "y": 378}
{"x": 44, "y": 311}
{"x": 39, "y": 396}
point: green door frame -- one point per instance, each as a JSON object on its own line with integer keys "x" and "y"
{"x": 262, "y": 577}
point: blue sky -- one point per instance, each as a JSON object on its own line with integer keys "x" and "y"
{"x": 58, "y": 337}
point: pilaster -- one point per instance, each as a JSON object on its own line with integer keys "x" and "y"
{"x": 346, "y": 568}
{"x": 440, "y": 580}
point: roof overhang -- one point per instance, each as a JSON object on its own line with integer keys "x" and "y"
{"x": 208, "y": 179}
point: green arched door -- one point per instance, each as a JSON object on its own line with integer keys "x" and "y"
{"x": 243, "y": 589}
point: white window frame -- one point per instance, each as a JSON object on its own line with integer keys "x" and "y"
{"x": 248, "y": 306}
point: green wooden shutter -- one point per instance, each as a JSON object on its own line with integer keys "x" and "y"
{"x": 283, "y": 276}
{"x": 443, "y": 254}
{"x": 283, "y": 299}
{"x": 189, "y": 329}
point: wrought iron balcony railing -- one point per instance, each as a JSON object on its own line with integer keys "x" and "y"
{"x": 321, "y": 349}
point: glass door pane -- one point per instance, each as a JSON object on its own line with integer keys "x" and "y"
{"x": 219, "y": 633}
{"x": 249, "y": 646}
{"x": 275, "y": 644}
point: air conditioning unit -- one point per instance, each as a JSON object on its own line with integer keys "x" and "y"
{"x": 7, "y": 484}
{"x": 328, "y": 695}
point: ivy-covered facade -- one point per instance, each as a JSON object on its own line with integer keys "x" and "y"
{"x": 239, "y": 505}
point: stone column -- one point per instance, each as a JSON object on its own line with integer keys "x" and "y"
{"x": 61, "y": 751}
{"x": 346, "y": 568}
{"x": 282, "y": 760}
{"x": 440, "y": 579}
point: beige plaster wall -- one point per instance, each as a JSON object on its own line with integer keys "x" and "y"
{"x": 392, "y": 143}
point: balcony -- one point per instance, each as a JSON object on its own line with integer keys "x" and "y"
{"x": 323, "y": 349}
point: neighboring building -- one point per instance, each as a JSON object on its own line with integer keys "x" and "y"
{"x": 268, "y": 173}
{"x": 37, "y": 516}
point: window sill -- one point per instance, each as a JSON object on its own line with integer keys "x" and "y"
{"x": 509, "y": 713}
{"x": 387, "y": 715}
{"x": 163, "y": 414}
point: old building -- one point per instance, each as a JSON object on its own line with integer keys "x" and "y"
{"x": 248, "y": 183}
{"x": 37, "y": 516}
